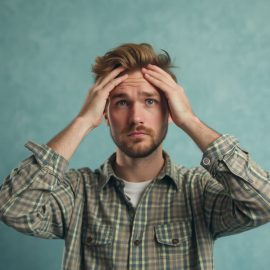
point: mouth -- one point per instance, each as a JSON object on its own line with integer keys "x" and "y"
{"x": 136, "y": 134}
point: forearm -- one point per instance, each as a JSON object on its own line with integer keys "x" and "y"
{"x": 200, "y": 133}
{"x": 67, "y": 141}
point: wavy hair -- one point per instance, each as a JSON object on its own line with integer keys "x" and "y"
{"x": 131, "y": 56}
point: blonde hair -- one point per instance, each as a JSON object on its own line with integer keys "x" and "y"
{"x": 131, "y": 56}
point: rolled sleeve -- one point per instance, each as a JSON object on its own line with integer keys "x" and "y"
{"x": 242, "y": 200}
{"x": 218, "y": 151}
{"x": 37, "y": 198}
{"x": 48, "y": 158}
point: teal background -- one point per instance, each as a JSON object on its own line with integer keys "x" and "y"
{"x": 222, "y": 52}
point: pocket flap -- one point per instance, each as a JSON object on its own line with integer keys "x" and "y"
{"x": 98, "y": 235}
{"x": 173, "y": 234}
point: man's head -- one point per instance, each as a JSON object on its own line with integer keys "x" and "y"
{"x": 131, "y": 56}
{"x": 136, "y": 112}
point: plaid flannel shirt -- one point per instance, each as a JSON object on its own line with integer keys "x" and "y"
{"x": 179, "y": 216}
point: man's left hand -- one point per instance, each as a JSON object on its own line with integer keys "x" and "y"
{"x": 179, "y": 106}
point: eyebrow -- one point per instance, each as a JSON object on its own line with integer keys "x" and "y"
{"x": 124, "y": 95}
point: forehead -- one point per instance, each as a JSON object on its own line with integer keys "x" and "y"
{"x": 135, "y": 82}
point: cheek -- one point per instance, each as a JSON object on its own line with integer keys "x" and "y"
{"x": 162, "y": 114}
{"x": 116, "y": 119}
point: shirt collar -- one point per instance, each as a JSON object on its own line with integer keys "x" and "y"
{"x": 169, "y": 172}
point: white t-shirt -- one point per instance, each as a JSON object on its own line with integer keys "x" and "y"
{"x": 135, "y": 190}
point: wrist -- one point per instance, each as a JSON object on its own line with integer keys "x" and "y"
{"x": 189, "y": 122}
{"x": 82, "y": 124}
{"x": 201, "y": 134}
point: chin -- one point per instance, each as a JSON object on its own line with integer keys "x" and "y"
{"x": 140, "y": 152}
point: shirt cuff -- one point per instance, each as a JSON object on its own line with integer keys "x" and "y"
{"x": 47, "y": 157}
{"x": 217, "y": 151}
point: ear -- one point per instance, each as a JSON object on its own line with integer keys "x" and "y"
{"x": 105, "y": 114}
{"x": 106, "y": 118}
{"x": 170, "y": 119}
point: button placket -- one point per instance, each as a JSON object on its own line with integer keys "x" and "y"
{"x": 136, "y": 240}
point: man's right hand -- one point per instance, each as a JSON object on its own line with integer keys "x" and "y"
{"x": 94, "y": 106}
{"x": 66, "y": 142}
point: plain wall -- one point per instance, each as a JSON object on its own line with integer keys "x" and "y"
{"x": 47, "y": 47}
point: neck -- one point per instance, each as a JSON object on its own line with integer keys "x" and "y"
{"x": 138, "y": 169}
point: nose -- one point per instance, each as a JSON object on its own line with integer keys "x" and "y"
{"x": 136, "y": 115}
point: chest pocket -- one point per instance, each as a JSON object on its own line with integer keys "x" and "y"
{"x": 97, "y": 245}
{"x": 173, "y": 240}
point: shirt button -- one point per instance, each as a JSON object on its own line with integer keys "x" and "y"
{"x": 137, "y": 242}
{"x": 175, "y": 241}
{"x": 206, "y": 161}
{"x": 89, "y": 239}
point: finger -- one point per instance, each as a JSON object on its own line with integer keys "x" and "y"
{"x": 159, "y": 70}
{"x": 163, "y": 86}
{"x": 98, "y": 81}
{"x": 159, "y": 76}
{"x": 114, "y": 73}
{"x": 113, "y": 83}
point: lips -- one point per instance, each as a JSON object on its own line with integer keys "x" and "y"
{"x": 136, "y": 133}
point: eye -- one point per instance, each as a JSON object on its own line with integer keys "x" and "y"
{"x": 150, "y": 101}
{"x": 121, "y": 103}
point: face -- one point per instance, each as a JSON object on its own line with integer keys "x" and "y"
{"x": 137, "y": 114}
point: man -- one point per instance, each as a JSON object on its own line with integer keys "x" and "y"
{"x": 138, "y": 210}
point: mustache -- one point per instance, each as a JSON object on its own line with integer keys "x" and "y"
{"x": 140, "y": 128}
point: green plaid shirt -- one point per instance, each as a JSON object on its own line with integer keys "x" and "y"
{"x": 178, "y": 218}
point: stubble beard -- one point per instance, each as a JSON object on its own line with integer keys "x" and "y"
{"x": 137, "y": 148}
